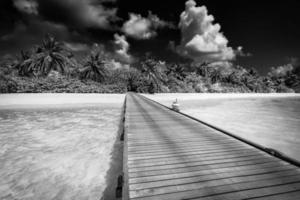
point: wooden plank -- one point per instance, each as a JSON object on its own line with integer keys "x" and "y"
{"x": 178, "y": 140}
{"x": 179, "y": 154}
{"x": 198, "y": 168}
{"x": 170, "y": 161}
{"x": 192, "y": 163}
{"x": 187, "y": 146}
{"x": 292, "y": 195}
{"x": 173, "y": 139}
{"x": 266, "y": 166}
{"x": 281, "y": 192}
{"x": 176, "y": 144}
{"x": 183, "y": 146}
{"x": 212, "y": 187}
{"x": 159, "y": 151}
{"x": 187, "y": 159}
{"x": 209, "y": 177}
{"x": 219, "y": 192}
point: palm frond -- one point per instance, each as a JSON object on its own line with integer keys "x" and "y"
{"x": 94, "y": 69}
{"x": 50, "y": 56}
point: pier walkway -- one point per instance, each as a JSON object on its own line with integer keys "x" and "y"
{"x": 170, "y": 156}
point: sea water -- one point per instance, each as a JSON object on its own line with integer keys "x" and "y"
{"x": 56, "y": 153}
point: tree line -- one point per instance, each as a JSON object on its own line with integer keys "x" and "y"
{"x": 51, "y": 67}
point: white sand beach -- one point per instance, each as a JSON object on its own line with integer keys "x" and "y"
{"x": 166, "y": 98}
{"x": 58, "y": 99}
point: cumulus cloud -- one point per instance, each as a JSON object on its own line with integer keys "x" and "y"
{"x": 122, "y": 49}
{"x": 202, "y": 40}
{"x": 113, "y": 64}
{"x": 26, "y": 6}
{"x": 139, "y": 27}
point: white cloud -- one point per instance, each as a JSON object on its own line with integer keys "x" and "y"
{"x": 240, "y": 52}
{"x": 76, "y": 46}
{"x": 75, "y": 13}
{"x": 158, "y": 23}
{"x": 88, "y": 13}
{"x": 201, "y": 39}
{"x": 122, "y": 49}
{"x": 139, "y": 27}
{"x": 93, "y": 14}
{"x": 281, "y": 70}
{"x": 112, "y": 64}
{"x": 26, "y": 6}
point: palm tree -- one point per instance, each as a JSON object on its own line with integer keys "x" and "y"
{"x": 94, "y": 69}
{"x": 176, "y": 71}
{"x": 49, "y": 56}
{"x": 133, "y": 77}
{"x": 24, "y": 56}
{"x": 215, "y": 76}
{"x": 203, "y": 69}
{"x": 152, "y": 71}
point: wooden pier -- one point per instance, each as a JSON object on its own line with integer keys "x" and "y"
{"x": 170, "y": 156}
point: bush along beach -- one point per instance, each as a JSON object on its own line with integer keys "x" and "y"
{"x": 53, "y": 67}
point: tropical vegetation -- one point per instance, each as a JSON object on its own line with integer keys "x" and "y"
{"x": 51, "y": 67}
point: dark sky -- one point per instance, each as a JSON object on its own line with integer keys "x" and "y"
{"x": 268, "y": 30}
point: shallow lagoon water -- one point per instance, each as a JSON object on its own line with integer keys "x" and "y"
{"x": 56, "y": 152}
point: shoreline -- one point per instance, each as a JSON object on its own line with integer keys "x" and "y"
{"x": 94, "y": 98}
{"x": 79, "y": 100}
{"x": 167, "y": 98}
{"x": 58, "y": 100}
{"x": 195, "y": 96}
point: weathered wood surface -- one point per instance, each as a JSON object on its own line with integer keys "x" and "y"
{"x": 169, "y": 156}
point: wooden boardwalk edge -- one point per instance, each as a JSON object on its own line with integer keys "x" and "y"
{"x": 269, "y": 151}
{"x": 125, "y": 190}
